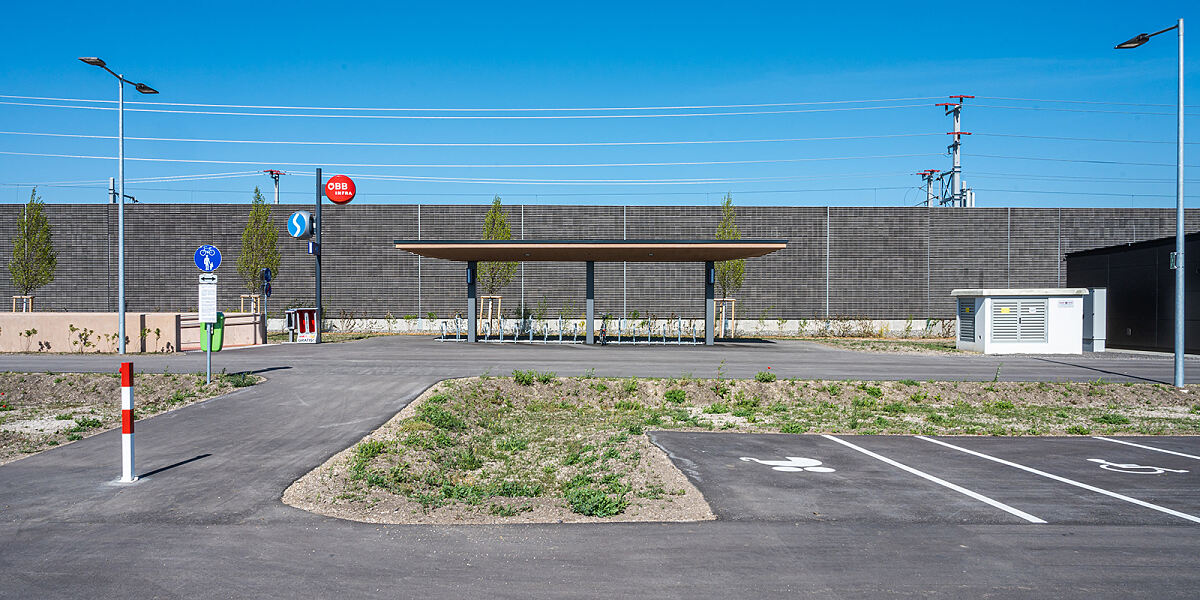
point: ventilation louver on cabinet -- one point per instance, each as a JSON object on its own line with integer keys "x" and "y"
{"x": 1019, "y": 320}
{"x": 966, "y": 319}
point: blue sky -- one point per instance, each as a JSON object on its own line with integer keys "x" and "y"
{"x": 611, "y": 55}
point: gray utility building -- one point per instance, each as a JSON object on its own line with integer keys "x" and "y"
{"x": 1141, "y": 291}
{"x": 840, "y": 262}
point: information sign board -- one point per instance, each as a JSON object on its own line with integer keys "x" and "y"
{"x": 208, "y": 303}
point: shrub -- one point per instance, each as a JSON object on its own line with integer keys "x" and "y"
{"x": 604, "y": 500}
{"x": 909, "y": 382}
{"x": 1078, "y": 430}
{"x": 524, "y": 377}
{"x": 716, "y": 408}
{"x": 546, "y": 377}
{"x": 676, "y": 396}
{"x": 1112, "y": 419}
{"x": 764, "y": 377}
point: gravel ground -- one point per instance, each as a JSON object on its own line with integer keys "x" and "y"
{"x": 43, "y": 410}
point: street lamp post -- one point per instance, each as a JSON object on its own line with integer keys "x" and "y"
{"x": 145, "y": 89}
{"x": 1177, "y": 263}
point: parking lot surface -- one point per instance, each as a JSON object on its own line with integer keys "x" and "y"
{"x": 206, "y": 521}
{"x": 916, "y": 479}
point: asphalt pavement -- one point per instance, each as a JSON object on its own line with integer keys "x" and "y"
{"x": 205, "y": 519}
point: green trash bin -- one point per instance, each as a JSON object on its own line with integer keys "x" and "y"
{"x": 218, "y": 336}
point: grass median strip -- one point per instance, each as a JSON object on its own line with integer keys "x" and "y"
{"x": 535, "y": 447}
{"x": 43, "y": 410}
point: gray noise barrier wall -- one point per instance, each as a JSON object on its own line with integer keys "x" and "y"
{"x": 880, "y": 263}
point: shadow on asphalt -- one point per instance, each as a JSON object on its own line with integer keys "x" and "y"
{"x": 267, "y": 370}
{"x": 1105, "y": 371}
{"x": 172, "y": 466}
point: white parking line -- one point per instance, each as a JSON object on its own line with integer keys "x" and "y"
{"x": 1085, "y": 486}
{"x": 942, "y": 482}
{"x": 1146, "y": 447}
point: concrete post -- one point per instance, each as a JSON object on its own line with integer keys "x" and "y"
{"x": 472, "y": 307}
{"x": 710, "y": 309}
{"x": 591, "y": 302}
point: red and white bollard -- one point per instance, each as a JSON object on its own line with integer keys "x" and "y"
{"x": 127, "y": 475}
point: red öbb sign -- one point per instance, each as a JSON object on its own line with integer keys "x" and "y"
{"x": 339, "y": 189}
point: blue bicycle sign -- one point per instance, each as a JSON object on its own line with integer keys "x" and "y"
{"x": 208, "y": 258}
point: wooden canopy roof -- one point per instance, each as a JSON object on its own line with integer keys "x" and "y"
{"x": 591, "y": 250}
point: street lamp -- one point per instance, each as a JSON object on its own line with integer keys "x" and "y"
{"x": 1177, "y": 257}
{"x": 145, "y": 89}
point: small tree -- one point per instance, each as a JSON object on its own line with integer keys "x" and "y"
{"x": 34, "y": 258}
{"x": 258, "y": 245}
{"x": 496, "y": 275}
{"x": 730, "y": 273}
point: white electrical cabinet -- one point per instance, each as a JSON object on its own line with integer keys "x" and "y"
{"x": 1020, "y": 321}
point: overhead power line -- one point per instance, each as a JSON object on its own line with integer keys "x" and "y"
{"x": 1084, "y": 161}
{"x": 1069, "y": 139}
{"x": 1076, "y": 110}
{"x": 461, "y": 117}
{"x": 1068, "y": 102}
{"x": 165, "y": 178}
{"x": 475, "y": 144}
{"x": 474, "y": 166}
{"x": 533, "y": 109}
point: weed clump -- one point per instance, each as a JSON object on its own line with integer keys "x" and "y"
{"x": 440, "y": 417}
{"x": 676, "y": 396}
{"x": 596, "y": 499}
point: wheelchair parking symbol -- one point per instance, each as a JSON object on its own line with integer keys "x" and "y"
{"x": 1132, "y": 468}
{"x": 793, "y": 464}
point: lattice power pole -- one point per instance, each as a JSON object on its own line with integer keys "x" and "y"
{"x": 957, "y": 197}
{"x": 275, "y": 175}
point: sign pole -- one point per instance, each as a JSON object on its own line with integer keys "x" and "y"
{"x": 317, "y": 250}
{"x": 207, "y": 258}
{"x": 208, "y": 356}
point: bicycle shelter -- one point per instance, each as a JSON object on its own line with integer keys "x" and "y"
{"x": 590, "y": 252}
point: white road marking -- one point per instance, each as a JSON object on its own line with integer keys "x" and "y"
{"x": 1085, "y": 486}
{"x": 1146, "y": 447}
{"x": 793, "y": 464}
{"x": 1132, "y": 468}
{"x": 942, "y": 482}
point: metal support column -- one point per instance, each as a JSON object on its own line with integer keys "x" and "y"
{"x": 591, "y": 302}
{"x": 710, "y": 308}
{"x": 317, "y": 253}
{"x": 121, "y": 215}
{"x": 1180, "y": 313}
{"x": 472, "y": 302}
